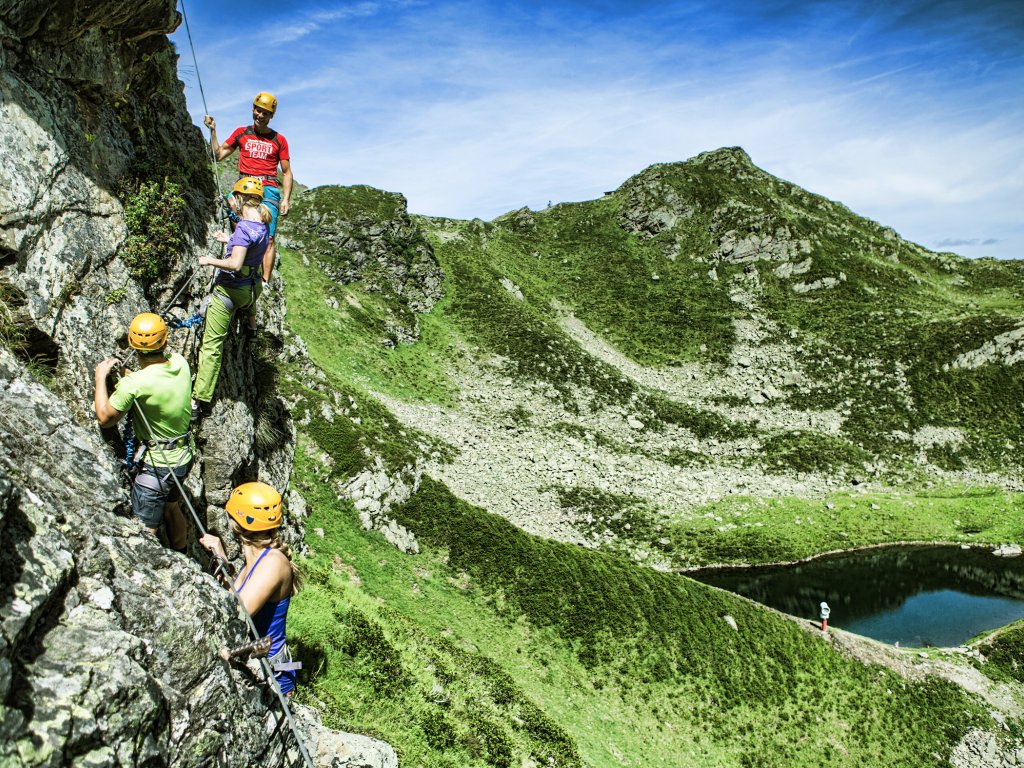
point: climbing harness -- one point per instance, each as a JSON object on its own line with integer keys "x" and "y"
{"x": 282, "y": 661}
{"x": 223, "y": 565}
{"x": 271, "y": 136}
{"x": 134, "y": 459}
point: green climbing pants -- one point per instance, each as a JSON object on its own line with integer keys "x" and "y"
{"x": 219, "y": 314}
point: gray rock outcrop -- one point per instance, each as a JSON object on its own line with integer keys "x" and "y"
{"x": 108, "y": 641}
{"x": 1005, "y": 349}
{"x": 332, "y": 749}
{"x": 374, "y": 492}
{"x": 980, "y": 749}
{"x": 362, "y": 234}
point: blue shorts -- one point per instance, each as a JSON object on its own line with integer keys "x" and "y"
{"x": 148, "y": 502}
{"x": 272, "y": 199}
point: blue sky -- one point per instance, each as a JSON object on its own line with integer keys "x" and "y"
{"x": 911, "y": 113}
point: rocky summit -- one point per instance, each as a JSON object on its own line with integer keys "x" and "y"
{"x": 503, "y": 444}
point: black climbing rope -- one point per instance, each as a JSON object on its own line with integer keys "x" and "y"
{"x": 221, "y": 200}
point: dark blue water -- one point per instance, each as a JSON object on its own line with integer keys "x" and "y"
{"x": 917, "y": 596}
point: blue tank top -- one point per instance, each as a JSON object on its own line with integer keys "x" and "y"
{"x": 271, "y": 620}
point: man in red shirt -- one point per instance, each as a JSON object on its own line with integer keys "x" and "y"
{"x": 260, "y": 150}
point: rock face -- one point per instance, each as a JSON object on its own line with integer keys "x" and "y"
{"x": 653, "y": 206}
{"x": 332, "y": 749}
{"x": 979, "y": 749}
{"x": 666, "y": 199}
{"x": 108, "y": 641}
{"x": 89, "y": 103}
{"x": 362, "y": 234}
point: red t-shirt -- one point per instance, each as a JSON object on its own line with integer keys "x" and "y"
{"x": 259, "y": 154}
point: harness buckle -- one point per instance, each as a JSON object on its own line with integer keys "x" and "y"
{"x": 282, "y": 660}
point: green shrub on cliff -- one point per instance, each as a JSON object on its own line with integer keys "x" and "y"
{"x": 155, "y": 217}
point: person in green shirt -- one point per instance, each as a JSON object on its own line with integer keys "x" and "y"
{"x": 162, "y": 388}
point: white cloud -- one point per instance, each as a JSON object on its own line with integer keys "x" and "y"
{"x": 469, "y": 120}
{"x": 281, "y": 34}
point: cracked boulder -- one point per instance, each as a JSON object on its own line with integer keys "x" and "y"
{"x": 109, "y": 643}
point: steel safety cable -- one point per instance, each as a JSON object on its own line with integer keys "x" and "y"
{"x": 202, "y": 93}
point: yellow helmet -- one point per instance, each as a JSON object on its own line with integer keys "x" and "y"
{"x": 249, "y": 185}
{"x": 255, "y": 507}
{"x": 147, "y": 333}
{"x": 265, "y": 101}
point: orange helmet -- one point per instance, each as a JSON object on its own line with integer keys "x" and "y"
{"x": 249, "y": 185}
{"x": 255, "y": 507}
{"x": 147, "y": 333}
{"x": 265, "y": 101}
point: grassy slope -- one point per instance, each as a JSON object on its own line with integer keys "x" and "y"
{"x": 491, "y": 644}
{"x": 346, "y": 341}
{"x": 899, "y": 313}
{"x": 549, "y": 254}
{"x": 899, "y": 306}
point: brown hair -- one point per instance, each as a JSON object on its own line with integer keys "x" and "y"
{"x": 269, "y": 540}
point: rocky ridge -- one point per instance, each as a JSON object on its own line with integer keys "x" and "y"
{"x": 519, "y": 441}
{"x": 375, "y": 242}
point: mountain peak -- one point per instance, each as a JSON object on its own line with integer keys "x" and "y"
{"x": 721, "y": 157}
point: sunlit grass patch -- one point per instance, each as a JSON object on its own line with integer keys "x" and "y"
{"x": 765, "y": 530}
{"x": 345, "y": 336}
{"x": 493, "y": 645}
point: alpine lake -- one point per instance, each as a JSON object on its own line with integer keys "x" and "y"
{"x": 915, "y": 595}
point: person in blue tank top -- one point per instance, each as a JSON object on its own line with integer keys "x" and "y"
{"x": 269, "y": 579}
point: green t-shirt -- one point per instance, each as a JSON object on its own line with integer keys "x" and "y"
{"x": 164, "y": 392}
